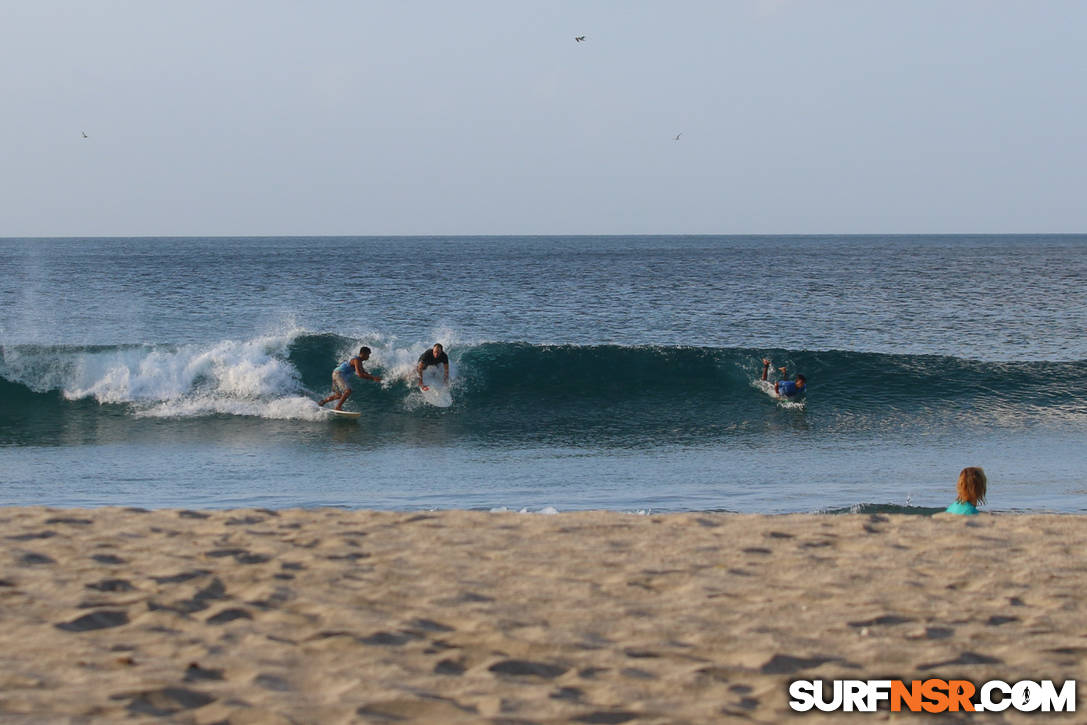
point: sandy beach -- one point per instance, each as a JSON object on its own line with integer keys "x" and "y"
{"x": 332, "y": 616}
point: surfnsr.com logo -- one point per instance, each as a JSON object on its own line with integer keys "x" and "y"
{"x": 932, "y": 695}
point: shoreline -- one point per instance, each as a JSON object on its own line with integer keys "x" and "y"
{"x": 332, "y": 615}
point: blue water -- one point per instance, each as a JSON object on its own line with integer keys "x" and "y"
{"x": 588, "y": 372}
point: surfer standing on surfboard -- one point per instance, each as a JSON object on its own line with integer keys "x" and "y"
{"x": 434, "y": 356}
{"x": 786, "y": 388}
{"x": 341, "y": 376}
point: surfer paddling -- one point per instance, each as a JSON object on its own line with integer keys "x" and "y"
{"x": 341, "y": 377}
{"x": 786, "y": 388}
{"x": 434, "y": 356}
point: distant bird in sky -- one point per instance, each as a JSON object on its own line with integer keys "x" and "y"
{"x": 579, "y": 38}
{"x": 85, "y": 134}
{"x": 677, "y": 136}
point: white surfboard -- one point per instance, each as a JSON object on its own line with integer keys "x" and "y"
{"x": 340, "y": 414}
{"x": 437, "y": 392}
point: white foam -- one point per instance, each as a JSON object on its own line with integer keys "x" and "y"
{"x": 248, "y": 369}
{"x": 231, "y": 377}
{"x": 288, "y": 408}
{"x": 545, "y": 511}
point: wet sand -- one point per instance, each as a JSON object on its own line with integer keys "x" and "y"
{"x": 331, "y": 616}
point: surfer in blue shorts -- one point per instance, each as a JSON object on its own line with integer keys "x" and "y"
{"x": 341, "y": 377}
{"x": 434, "y": 356}
{"x": 786, "y": 388}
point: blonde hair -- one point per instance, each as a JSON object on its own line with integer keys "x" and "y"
{"x": 971, "y": 487}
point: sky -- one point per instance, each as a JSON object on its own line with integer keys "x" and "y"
{"x": 487, "y": 117}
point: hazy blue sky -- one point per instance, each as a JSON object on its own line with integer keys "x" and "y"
{"x": 474, "y": 117}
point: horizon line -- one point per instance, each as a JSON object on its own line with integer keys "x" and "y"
{"x": 460, "y": 235}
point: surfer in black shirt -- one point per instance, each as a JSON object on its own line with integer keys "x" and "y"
{"x": 434, "y": 356}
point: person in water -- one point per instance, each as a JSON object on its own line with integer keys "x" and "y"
{"x": 970, "y": 492}
{"x": 786, "y": 388}
{"x": 434, "y": 356}
{"x": 341, "y": 377}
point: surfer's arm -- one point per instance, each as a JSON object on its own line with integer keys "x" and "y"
{"x": 419, "y": 372}
{"x": 446, "y": 372}
{"x": 361, "y": 372}
{"x": 765, "y": 367}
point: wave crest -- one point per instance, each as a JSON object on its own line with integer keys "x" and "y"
{"x": 517, "y": 385}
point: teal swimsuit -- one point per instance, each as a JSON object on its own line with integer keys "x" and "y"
{"x": 962, "y": 507}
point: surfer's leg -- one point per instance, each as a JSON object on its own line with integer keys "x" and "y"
{"x": 334, "y": 394}
{"x": 343, "y": 399}
{"x": 338, "y": 388}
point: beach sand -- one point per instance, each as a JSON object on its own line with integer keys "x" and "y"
{"x": 330, "y": 616}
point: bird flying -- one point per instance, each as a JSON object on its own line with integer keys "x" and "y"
{"x": 85, "y": 134}
{"x": 579, "y": 38}
{"x": 677, "y": 136}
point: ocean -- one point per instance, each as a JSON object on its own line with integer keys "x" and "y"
{"x": 587, "y": 372}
